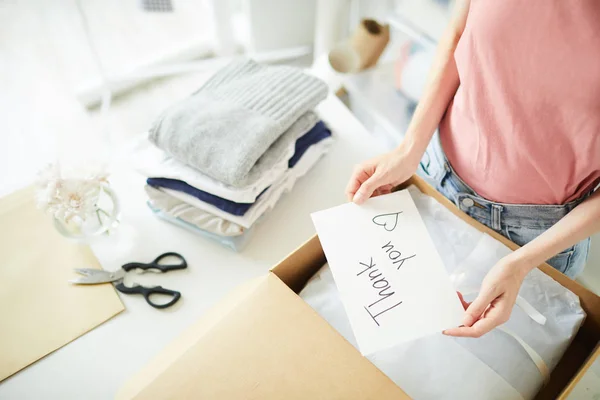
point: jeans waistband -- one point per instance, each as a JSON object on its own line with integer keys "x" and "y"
{"x": 521, "y": 215}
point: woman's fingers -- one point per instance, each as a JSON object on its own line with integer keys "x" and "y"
{"x": 494, "y": 313}
{"x": 464, "y": 303}
{"x": 351, "y": 188}
{"x": 366, "y": 189}
{"x": 479, "y": 328}
{"x": 363, "y": 185}
{"x": 359, "y": 176}
{"x": 385, "y": 189}
{"x": 478, "y": 306}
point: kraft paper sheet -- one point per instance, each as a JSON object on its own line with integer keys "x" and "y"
{"x": 39, "y": 310}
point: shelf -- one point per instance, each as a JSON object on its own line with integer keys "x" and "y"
{"x": 375, "y": 101}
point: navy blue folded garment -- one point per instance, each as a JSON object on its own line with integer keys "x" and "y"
{"x": 228, "y": 206}
{"x": 315, "y": 135}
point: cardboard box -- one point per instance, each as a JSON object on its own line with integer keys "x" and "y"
{"x": 265, "y": 342}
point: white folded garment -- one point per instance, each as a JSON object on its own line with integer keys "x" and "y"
{"x": 546, "y": 318}
{"x": 270, "y": 197}
{"x": 153, "y": 162}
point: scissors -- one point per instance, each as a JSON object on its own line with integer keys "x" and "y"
{"x": 96, "y": 276}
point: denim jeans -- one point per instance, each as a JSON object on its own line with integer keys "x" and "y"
{"x": 521, "y": 223}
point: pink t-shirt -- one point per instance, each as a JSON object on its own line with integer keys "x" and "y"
{"x": 524, "y": 125}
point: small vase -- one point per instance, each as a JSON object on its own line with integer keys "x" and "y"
{"x": 101, "y": 220}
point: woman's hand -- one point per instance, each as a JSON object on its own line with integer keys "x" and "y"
{"x": 495, "y": 301}
{"x": 380, "y": 174}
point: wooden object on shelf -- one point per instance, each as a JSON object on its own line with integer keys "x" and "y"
{"x": 369, "y": 41}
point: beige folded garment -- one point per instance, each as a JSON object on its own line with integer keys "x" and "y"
{"x": 190, "y": 214}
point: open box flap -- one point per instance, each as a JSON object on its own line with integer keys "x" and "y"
{"x": 169, "y": 355}
{"x": 296, "y": 269}
{"x": 262, "y": 342}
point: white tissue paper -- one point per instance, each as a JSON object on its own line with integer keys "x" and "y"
{"x": 511, "y": 362}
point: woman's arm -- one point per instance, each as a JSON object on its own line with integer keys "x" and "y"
{"x": 500, "y": 287}
{"x": 582, "y": 222}
{"x": 441, "y": 86}
{"x": 379, "y": 175}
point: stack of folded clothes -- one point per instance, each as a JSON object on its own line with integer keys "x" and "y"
{"x": 220, "y": 159}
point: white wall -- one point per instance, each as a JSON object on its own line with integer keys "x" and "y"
{"x": 280, "y": 24}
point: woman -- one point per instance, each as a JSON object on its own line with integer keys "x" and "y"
{"x": 515, "y": 92}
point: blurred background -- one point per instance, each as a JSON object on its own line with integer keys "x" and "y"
{"x": 79, "y": 78}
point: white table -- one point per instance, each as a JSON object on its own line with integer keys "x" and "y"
{"x": 98, "y": 363}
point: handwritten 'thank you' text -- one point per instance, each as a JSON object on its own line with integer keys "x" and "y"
{"x": 386, "y": 297}
{"x": 395, "y": 255}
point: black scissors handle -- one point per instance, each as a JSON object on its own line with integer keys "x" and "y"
{"x": 157, "y": 265}
{"x": 147, "y": 292}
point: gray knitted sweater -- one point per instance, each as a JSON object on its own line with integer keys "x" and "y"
{"x": 227, "y": 126}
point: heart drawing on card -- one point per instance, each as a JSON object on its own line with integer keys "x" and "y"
{"x": 387, "y": 221}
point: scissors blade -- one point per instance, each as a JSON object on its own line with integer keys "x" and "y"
{"x": 95, "y": 276}
{"x": 90, "y": 271}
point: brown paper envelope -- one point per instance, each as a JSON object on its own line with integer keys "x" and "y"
{"x": 39, "y": 310}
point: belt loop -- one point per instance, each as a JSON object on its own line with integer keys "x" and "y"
{"x": 496, "y": 211}
{"x": 447, "y": 166}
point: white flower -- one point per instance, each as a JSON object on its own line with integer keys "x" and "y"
{"x": 50, "y": 173}
{"x": 77, "y": 198}
{"x": 67, "y": 199}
